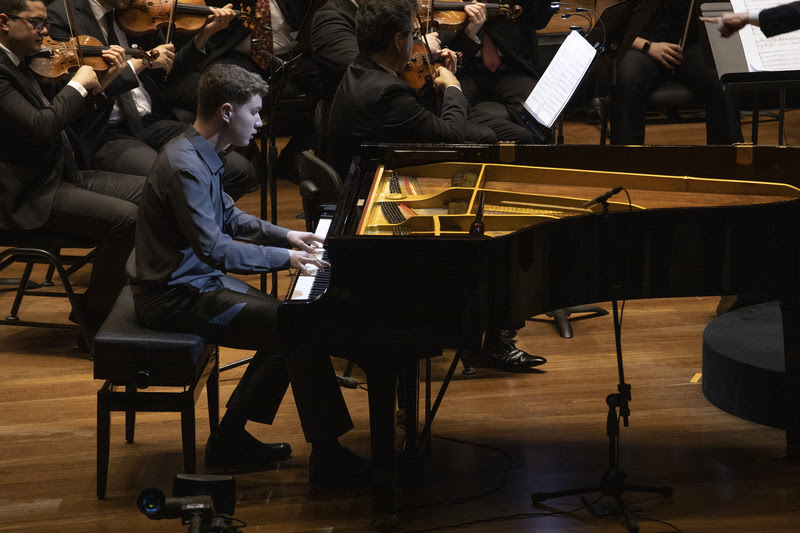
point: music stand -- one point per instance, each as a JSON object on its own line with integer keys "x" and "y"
{"x": 734, "y": 73}
{"x": 612, "y": 35}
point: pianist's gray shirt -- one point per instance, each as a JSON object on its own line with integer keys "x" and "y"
{"x": 189, "y": 231}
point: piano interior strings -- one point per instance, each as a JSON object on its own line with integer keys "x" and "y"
{"x": 442, "y": 198}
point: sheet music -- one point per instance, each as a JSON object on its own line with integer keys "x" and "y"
{"x": 559, "y": 81}
{"x": 763, "y": 53}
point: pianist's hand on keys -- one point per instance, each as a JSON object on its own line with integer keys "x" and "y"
{"x": 308, "y": 257}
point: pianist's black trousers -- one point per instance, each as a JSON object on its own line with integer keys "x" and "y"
{"x": 240, "y": 316}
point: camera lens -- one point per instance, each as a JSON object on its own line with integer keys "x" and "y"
{"x": 151, "y": 502}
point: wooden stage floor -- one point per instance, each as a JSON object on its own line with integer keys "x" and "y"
{"x": 498, "y": 437}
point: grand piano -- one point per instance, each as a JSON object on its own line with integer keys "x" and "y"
{"x": 408, "y": 279}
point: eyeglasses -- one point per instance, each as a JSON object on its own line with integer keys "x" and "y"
{"x": 38, "y": 24}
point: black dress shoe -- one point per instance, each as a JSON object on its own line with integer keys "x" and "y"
{"x": 338, "y": 467}
{"x": 506, "y": 356}
{"x": 243, "y": 452}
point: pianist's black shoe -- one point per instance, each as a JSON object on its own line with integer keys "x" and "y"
{"x": 506, "y": 356}
{"x": 337, "y": 466}
{"x": 243, "y": 452}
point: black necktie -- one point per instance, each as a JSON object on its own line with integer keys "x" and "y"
{"x": 70, "y": 168}
{"x": 127, "y": 106}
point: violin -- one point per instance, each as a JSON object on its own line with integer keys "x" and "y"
{"x": 57, "y": 59}
{"x": 187, "y": 16}
{"x": 450, "y": 15}
{"x": 421, "y": 68}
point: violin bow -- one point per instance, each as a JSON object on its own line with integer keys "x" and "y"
{"x": 90, "y": 101}
{"x": 73, "y": 30}
{"x": 431, "y": 71}
{"x": 682, "y": 42}
{"x": 171, "y": 20}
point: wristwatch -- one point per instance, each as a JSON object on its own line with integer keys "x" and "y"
{"x": 646, "y": 47}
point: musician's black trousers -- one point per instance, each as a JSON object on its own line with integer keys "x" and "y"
{"x": 638, "y": 75}
{"x": 240, "y": 316}
{"x": 506, "y": 85}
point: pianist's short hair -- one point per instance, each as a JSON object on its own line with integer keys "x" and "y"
{"x": 225, "y": 83}
{"x": 14, "y": 7}
{"x": 377, "y": 22}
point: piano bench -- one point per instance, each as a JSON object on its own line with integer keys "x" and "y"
{"x": 127, "y": 355}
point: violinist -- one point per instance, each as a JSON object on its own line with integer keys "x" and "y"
{"x": 42, "y": 189}
{"x": 657, "y": 55}
{"x": 373, "y": 104}
{"x": 499, "y": 60}
{"x": 333, "y": 42}
{"x": 142, "y": 120}
{"x": 268, "y": 39}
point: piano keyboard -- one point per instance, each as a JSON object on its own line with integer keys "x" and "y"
{"x": 310, "y": 287}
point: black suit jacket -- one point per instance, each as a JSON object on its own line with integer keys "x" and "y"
{"x": 90, "y": 131}
{"x": 293, "y": 11}
{"x": 334, "y": 46}
{"x": 780, "y": 19}
{"x": 31, "y": 147}
{"x": 373, "y": 105}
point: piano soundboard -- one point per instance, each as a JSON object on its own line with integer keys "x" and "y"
{"x": 442, "y": 199}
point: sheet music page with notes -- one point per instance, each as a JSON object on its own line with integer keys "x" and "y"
{"x": 560, "y": 80}
{"x": 763, "y": 53}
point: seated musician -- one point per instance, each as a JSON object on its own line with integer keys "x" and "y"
{"x": 499, "y": 59}
{"x": 335, "y": 47}
{"x": 654, "y": 58}
{"x": 271, "y": 40}
{"x": 190, "y": 235}
{"x": 41, "y": 187}
{"x": 372, "y": 104}
{"x": 128, "y": 138}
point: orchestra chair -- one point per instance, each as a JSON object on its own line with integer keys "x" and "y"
{"x": 132, "y": 358}
{"x": 33, "y": 247}
{"x": 320, "y": 185}
{"x": 672, "y": 100}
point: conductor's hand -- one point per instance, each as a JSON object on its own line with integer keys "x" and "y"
{"x": 306, "y": 262}
{"x": 728, "y": 23}
{"x": 668, "y": 54}
{"x": 303, "y": 240}
{"x": 444, "y": 79}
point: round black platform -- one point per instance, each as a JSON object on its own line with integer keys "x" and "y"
{"x": 743, "y": 366}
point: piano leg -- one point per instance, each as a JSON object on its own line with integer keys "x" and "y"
{"x": 382, "y": 386}
{"x": 790, "y": 312}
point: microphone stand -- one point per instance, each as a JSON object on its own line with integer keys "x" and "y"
{"x": 270, "y": 155}
{"x": 612, "y": 483}
{"x": 561, "y": 316}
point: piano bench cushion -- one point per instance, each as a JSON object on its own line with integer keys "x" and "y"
{"x": 125, "y": 351}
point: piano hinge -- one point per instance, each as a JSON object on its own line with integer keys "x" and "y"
{"x": 744, "y": 153}
{"x": 506, "y": 152}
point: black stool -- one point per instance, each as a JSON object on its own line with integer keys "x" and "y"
{"x": 129, "y": 355}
